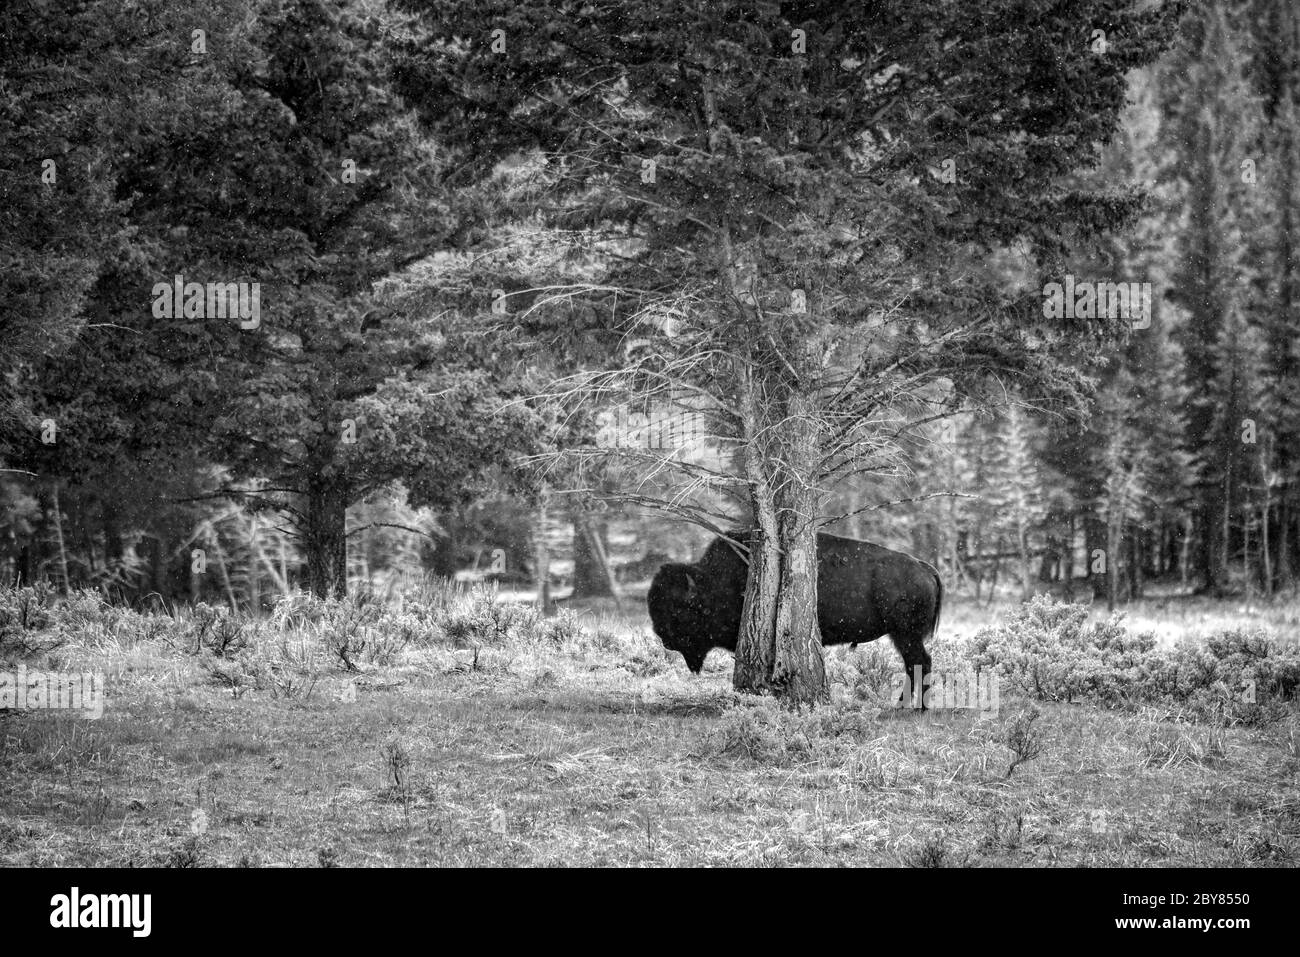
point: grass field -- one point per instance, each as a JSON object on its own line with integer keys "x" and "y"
{"x": 580, "y": 742}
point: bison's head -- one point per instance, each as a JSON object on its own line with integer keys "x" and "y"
{"x": 677, "y": 613}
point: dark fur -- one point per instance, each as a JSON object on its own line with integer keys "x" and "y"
{"x": 864, "y": 591}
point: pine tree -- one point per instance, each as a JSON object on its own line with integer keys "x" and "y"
{"x": 806, "y": 193}
{"x": 1212, "y": 115}
{"x": 1016, "y": 492}
{"x": 1275, "y": 69}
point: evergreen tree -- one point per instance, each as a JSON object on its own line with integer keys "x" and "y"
{"x": 775, "y": 170}
{"x": 1211, "y": 113}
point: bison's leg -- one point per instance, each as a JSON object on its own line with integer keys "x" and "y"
{"x": 916, "y": 660}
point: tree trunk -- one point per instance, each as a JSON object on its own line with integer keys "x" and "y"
{"x": 1067, "y": 558}
{"x": 1136, "y": 563}
{"x": 756, "y": 645}
{"x": 1049, "y": 565}
{"x": 58, "y": 531}
{"x": 254, "y": 572}
{"x": 325, "y": 540}
{"x": 1225, "y": 557}
{"x": 113, "y": 547}
{"x": 1206, "y": 549}
{"x": 995, "y": 570}
{"x": 156, "y": 568}
{"x": 1283, "y": 572}
{"x": 23, "y": 576}
{"x": 1112, "y": 562}
{"x": 1022, "y": 545}
{"x": 779, "y": 647}
{"x": 1285, "y": 359}
{"x": 1184, "y": 557}
{"x": 1247, "y": 568}
{"x": 591, "y": 574}
{"x": 542, "y": 558}
{"x": 799, "y": 668}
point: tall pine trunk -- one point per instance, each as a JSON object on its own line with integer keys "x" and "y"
{"x": 1113, "y": 531}
{"x": 1283, "y": 573}
{"x": 542, "y": 556}
{"x": 325, "y": 539}
{"x": 799, "y": 669}
{"x": 780, "y": 644}
{"x": 756, "y": 645}
{"x": 1022, "y": 546}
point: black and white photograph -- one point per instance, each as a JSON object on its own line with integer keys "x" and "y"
{"x": 655, "y": 434}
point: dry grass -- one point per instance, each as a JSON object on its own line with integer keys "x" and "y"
{"x": 596, "y": 748}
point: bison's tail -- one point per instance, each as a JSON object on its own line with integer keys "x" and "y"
{"x": 938, "y": 601}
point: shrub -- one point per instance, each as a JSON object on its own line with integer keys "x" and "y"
{"x": 25, "y": 619}
{"x": 761, "y": 733}
{"x": 765, "y": 732}
{"x": 1164, "y": 745}
{"x": 481, "y": 620}
{"x": 1023, "y": 737}
{"x": 346, "y": 625}
{"x": 219, "y": 630}
{"x": 931, "y": 851}
{"x": 396, "y": 756}
{"x": 1046, "y": 651}
{"x": 561, "y": 629}
{"x": 868, "y": 673}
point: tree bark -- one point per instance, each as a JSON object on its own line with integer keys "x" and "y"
{"x": 1283, "y": 574}
{"x": 23, "y": 575}
{"x": 1136, "y": 562}
{"x": 798, "y": 674}
{"x": 325, "y": 539}
{"x": 113, "y": 546}
{"x": 1184, "y": 559}
{"x": 1067, "y": 557}
{"x": 58, "y": 531}
{"x": 1022, "y": 546}
{"x": 156, "y": 568}
{"x": 756, "y": 645}
{"x": 542, "y": 558}
{"x": 799, "y": 669}
{"x": 1209, "y": 526}
{"x": 779, "y": 647}
{"x": 1112, "y": 561}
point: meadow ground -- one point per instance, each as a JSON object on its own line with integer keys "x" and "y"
{"x": 468, "y": 736}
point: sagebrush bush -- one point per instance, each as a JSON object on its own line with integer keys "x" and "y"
{"x": 219, "y": 630}
{"x": 478, "y": 619}
{"x": 561, "y": 629}
{"x": 35, "y": 620}
{"x": 867, "y": 672}
{"x": 25, "y": 617}
{"x": 1023, "y": 737}
{"x": 1047, "y": 651}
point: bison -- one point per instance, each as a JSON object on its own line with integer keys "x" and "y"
{"x": 864, "y": 591}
